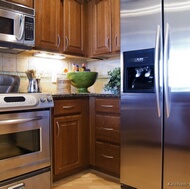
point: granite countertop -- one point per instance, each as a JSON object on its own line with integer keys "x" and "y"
{"x": 74, "y": 95}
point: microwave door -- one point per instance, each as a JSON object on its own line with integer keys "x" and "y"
{"x": 11, "y": 27}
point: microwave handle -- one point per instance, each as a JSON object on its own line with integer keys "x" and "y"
{"x": 20, "y": 30}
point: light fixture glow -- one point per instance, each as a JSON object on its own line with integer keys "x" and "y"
{"x": 49, "y": 55}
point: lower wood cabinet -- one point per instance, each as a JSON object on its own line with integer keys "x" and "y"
{"x": 107, "y": 135}
{"x": 86, "y": 133}
{"x": 108, "y": 157}
{"x": 70, "y": 138}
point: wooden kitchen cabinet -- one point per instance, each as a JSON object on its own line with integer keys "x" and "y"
{"x": 107, "y": 135}
{"x": 74, "y": 27}
{"x": 48, "y": 25}
{"x": 104, "y": 24}
{"x": 70, "y": 136}
{"x": 115, "y": 26}
{"x": 28, "y": 3}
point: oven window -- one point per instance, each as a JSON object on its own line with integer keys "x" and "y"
{"x": 6, "y": 26}
{"x": 21, "y": 143}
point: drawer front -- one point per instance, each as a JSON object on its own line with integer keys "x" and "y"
{"x": 108, "y": 157}
{"x": 107, "y": 128}
{"x": 107, "y": 105}
{"x": 67, "y": 106}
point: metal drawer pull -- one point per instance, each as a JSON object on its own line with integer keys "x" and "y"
{"x": 107, "y": 129}
{"x": 18, "y": 186}
{"x": 17, "y": 121}
{"x": 107, "y": 106}
{"x": 68, "y": 107}
{"x": 109, "y": 157}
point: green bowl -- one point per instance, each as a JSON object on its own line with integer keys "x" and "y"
{"x": 82, "y": 80}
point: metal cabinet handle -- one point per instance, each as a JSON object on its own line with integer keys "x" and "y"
{"x": 58, "y": 39}
{"x": 108, "y": 157}
{"x": 58, "y": 129}
{"x": 107, "y": 106}
{"x": 156, "y": 70}
{"x": 108, "y": 43}
{"x": 18, "y": 186}
{"x": 67, "y": 42}
{"x": 68, "y": 107}
{"x": 18, "y": 121}
{"x": 107, "y": 129}
{"x": 166, "y": 57}
{"x": 116, "y": 41}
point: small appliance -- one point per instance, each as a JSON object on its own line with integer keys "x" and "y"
{"x": 17, "y": 29}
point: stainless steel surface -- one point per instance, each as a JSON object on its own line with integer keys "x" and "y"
{"x": 17, "y": 31}
{"x": 21, "y": 122}
{"x": 25, "y": 101}
{"x": 25, "y": 122}
{"x": 9, "y": 83}
{"x": 40, "y": 181}
{"x": 141, "y": 141}
{"x": 155, "y": 150}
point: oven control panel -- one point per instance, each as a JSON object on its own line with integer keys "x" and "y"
{"x": 20, "y": 101}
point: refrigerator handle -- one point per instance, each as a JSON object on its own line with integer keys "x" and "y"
{"x": 156, "y": 66}
{"x": 166, "y": 57}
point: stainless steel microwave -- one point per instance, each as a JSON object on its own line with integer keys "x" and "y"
{"x": 17, "y": 26}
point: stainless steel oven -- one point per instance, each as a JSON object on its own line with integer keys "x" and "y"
{"x": 25, "y": 150}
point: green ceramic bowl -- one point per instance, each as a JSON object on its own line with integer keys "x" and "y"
{"x": 82, "y": 80}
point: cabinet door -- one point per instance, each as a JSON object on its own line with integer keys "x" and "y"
{"x": 48, "y": 24}
{"x": 28, "y": 3}
{"x": 101, "y": 23}
{"x": 115, "y": 25}
{"x": 67, "y": 143}
{"x": 73, "y": 26}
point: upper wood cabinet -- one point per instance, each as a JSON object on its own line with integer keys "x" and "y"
{"x": 115, "y": 25}
{"x": 28, "y": 3}
{"x": 48, "y": 25}
{"x": 104, "y": 26}
{"x": 74, "y": 26}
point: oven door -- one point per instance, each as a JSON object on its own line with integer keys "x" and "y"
{"x": 12, "y": 26}
{"x": 24, "y": 143}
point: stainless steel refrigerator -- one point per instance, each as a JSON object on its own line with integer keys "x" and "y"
{"x": 155, "y": 94}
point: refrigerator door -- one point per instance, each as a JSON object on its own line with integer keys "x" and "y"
{"x": 177, "y": 88}
{"x": 141, "y": 125}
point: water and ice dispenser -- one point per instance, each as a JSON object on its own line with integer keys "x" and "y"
{"x": 138, "y": 71}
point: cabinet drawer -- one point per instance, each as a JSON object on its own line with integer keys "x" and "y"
{"x": 108, "y": 157}
{"x": 107, "y": 105}
{"x": 107, "y": 128}
{"x": 67, "y": 106}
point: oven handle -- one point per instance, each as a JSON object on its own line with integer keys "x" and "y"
{"x": 17, "y": 121}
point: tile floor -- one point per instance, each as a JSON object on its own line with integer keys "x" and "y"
{"x": 89, "y": 179}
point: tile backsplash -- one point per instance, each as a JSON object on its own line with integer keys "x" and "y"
{"x": 49, "y": 69}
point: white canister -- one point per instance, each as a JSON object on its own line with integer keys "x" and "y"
{"x": 63, "y": 86}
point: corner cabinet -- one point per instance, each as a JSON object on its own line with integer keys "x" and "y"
{"x": 70, "y": 136}
{"x": 105, "y": 26}
{"x": 74, "y": 27}
{"x": 48, "y": 27}
{"x": 28, "y": 3}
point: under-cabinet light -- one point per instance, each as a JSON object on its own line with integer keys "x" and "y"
{"x": 48, "y": 55}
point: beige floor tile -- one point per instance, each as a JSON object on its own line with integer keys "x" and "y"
{"x": 88, "y": 180}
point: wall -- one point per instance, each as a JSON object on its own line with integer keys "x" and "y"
{"x": 47, "y": 69}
